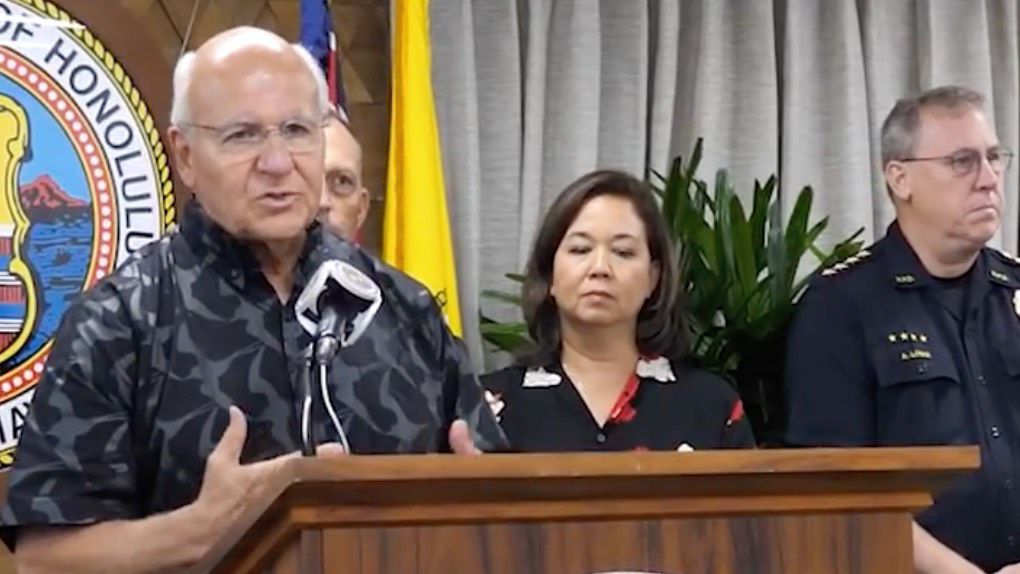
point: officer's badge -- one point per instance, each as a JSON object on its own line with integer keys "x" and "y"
{"x": 1016, "y": 302}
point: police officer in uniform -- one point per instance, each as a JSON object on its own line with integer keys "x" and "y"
{"x": 916, "y": 340}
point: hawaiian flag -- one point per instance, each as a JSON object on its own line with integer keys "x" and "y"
{"x": 317, "y": 37}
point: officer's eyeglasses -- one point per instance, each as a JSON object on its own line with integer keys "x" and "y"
{"x": 246, "y": 139}
{"x": 968, "y": 161}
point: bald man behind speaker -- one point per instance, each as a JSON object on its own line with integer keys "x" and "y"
{"x": 344, "y": 202}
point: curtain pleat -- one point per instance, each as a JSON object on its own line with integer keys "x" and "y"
{"x": 825, "y": 141}
{"x": 727, "y": 89}
{"x": 623, "y": 106}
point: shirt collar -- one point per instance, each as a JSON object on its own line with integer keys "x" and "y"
{"x": 233, "y": 258}
{"x": 906, "y": 271}
{"x": 998, "y": 270}
{"x": 658, "y": 369}
{"x": 902, "y": 264}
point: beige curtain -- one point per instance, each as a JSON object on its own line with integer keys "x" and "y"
{"x": 533, "y": 93}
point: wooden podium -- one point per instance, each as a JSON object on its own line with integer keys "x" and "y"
{"x": 767, "y": 511}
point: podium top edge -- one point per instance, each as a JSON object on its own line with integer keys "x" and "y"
{"x": 800, "y": 461}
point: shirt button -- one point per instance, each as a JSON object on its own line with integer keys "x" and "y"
{"x": 981, "y": 379}
{"x": 1007, "y": 484}
{"x": 1011, "y": 540}
{"x": 600, "y": 438}
{"x": 995, "y": 432}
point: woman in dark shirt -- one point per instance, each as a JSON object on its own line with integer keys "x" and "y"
{"x": 606, "y": 369}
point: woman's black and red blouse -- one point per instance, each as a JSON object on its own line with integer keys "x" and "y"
{"x": 660, "y": 408}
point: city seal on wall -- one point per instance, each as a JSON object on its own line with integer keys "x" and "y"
{"x": 84, "y": 182}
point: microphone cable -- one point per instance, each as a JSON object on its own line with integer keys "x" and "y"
{"x": 307, "y": 442}
{"x": 323, "y": 388}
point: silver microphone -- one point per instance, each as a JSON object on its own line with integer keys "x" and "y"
{"x": 335, "y": 307}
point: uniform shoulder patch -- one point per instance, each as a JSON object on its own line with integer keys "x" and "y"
{"x": 846, "y": 264}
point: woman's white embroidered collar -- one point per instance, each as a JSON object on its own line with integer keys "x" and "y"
{"x": 496, "y": 403}
{"x": 539, "y": 378}
{"x": 657, "y": 368}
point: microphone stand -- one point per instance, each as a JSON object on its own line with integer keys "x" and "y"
{"x": 307, "y": 440}
{"x": 317, "y": 357}
{"x": 326, "y": 348}
{"x": 335, "y": 307}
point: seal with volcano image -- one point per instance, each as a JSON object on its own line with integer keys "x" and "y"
{"x": 84, "y": 183}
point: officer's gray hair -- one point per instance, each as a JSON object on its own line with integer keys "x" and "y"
{"x": 899, "y": 130}
{"x": 180, "y": 111}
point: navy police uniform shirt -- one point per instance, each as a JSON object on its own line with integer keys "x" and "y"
{"x": 883, "y": 354}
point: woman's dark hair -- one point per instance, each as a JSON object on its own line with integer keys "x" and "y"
{"x": 661, "y": 330}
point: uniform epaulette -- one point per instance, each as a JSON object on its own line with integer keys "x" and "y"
{"x": 1007, "y": 257}
{"x": 846, "y": 264}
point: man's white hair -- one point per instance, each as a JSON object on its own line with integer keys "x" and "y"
{"x": 180, "y": 112}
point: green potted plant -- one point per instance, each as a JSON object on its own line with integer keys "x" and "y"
{"x": 742, "y": 273}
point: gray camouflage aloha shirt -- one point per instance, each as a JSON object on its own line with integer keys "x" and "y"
{"x": 145, "y": 364}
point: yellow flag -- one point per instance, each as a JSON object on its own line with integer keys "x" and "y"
{"x": 416, "y": 229}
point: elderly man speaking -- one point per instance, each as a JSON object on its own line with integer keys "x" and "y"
{"x": 176, "y": 386}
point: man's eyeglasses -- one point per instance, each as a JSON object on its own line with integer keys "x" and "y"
{"x": 299, "y": 135}
{"x": 968, "y": 161}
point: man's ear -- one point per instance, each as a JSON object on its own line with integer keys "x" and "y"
{"x": 898, "y": 181}
{"x": 180, "y": 149}
{"x": 364, "y": 204}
